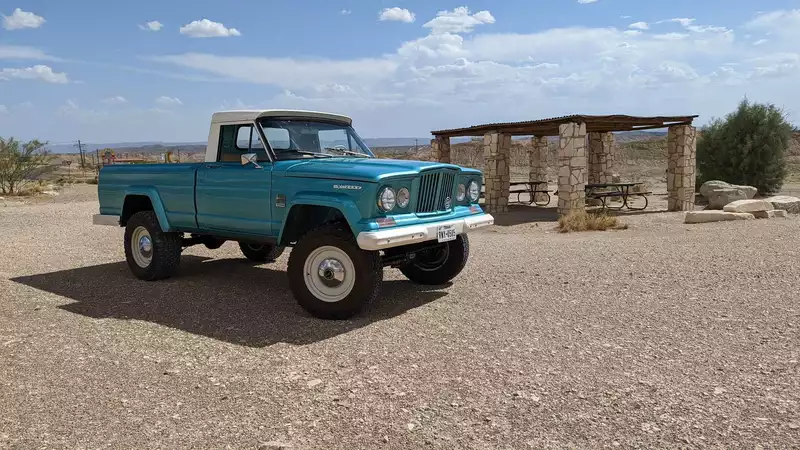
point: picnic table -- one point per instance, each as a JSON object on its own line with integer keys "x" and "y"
{"x": 605, "y": 191}
{"x": 532, "y": 188}
{"x": 538, "y": 195}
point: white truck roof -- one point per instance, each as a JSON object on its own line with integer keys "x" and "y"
{"x": 250, "y": 115}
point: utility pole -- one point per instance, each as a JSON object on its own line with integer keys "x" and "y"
{"x": 80, "y": 151}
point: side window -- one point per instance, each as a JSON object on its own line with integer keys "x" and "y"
{"x": 236, "y": 140}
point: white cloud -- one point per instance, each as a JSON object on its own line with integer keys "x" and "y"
{"x": 22, "y": 53}
{"x": 684, "y": 21}
{"x": 583, "y": 2}
{"x": 37, "y": 72}
{"x": 118, "y": 100}
{"x": 153, "y": 25}
{"x": 436, "y": 79}
{"x": 458, "y": 20}
{"x": 26, "y": 105}
{"x": 168, "y": 101}
{"x": 20, "y": 19}
{"x": 639, "y": 26}
{"x": 346, "y": 12}
{"x": 397, "y": 15}
{"x": 3, "y": 109}
{"x": 205, "y": 29}
{"x": 760, "y": 42}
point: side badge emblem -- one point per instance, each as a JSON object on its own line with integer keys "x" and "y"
{"x": 280, "y": 201}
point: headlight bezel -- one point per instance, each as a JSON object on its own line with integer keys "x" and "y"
{"x": 381, "y": 202}
{"x": 477, "y": 189}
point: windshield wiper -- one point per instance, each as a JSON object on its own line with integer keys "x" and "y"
{"x": 347, "y": 152}
{"x": 303, "y": 152}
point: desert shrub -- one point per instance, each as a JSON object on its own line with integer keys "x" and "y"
{"x": 587, "y": 221}
{"x": 22, "y": 163}
{"x": 747, "y": 147}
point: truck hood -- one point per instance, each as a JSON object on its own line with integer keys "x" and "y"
{"x": 359, "y": 169}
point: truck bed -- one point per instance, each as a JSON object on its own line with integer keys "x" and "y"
{"x": 174, "y": 184}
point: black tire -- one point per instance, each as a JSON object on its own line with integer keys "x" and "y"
{"x": 441, "y": 266}
{"x": 368, "y": 273}
{"x": 260, "y": 252}
{"x": 165, "y": 248}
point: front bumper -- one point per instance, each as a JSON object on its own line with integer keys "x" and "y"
{"x": 413, "y": 234}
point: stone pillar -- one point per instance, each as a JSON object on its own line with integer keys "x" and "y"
{"x": 681, "y": 167}
{"x": 538, "y": 161}
{"x": 497, "y": 154}
{"x": 601, "y": 157}
{"x": 441, "y": 149}
{"x": 572, "y": 173}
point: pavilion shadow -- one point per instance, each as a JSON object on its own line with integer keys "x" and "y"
{"x": 230, "y": 300}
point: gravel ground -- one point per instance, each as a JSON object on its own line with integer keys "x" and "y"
{"x": 663, "y": 335}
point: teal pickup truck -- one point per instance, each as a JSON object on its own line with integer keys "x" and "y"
{"x": 275, "y": 179}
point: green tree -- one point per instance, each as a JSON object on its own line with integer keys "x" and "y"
{"x": 747, "y": 147}
{"x": 21, "y": 163}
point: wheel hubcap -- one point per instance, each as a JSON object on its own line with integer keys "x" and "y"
{"x": 142, "y": 247}
{"x": 329, "y": 274}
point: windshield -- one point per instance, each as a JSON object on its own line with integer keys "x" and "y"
{"x": 304, "y": 138}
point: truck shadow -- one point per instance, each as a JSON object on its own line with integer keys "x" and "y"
{"x": 229, "y": 299}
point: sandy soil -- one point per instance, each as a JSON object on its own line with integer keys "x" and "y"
{"x": 662, "y": 335}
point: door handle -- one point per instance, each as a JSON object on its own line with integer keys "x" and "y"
{"x": 213, "y": 166}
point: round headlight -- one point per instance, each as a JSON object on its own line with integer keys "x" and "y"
{"x": 386, "y": 199}
{"x": 462, "y": 193}
{"x": 403, "y": 196}
{"x": 474, "y": 191}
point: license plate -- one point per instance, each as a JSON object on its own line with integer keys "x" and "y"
{"x": 447, "y": 233}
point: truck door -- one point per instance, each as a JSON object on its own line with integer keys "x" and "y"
{"x": 234, "y": 198}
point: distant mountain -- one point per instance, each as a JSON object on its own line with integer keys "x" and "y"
{"x": 158, "y": 146}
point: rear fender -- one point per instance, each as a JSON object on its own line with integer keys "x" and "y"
{"x": 155, "y": 200}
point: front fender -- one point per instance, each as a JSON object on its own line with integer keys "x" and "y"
{"x": 155, "y": 199}
{"x": 340, "y": 202}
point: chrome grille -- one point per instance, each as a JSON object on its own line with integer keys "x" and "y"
{"x": 434, "y": 189}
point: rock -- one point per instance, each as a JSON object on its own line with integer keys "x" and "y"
{"x": 769, "y": 214}
{"x": 314, "y": 383}
{"x": 748, "y": 206}
{"x": 718, "y": 198}
{"x": 715, "y": 216}
{"x": 786, "y": 203}
{"x": 51, "y": 193}
{"x": 709, "y": 186}
{"x": 274, "y": 445}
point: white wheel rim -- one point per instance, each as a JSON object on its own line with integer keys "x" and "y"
{"x": 142, "y": 247}
{"x": 329, "y": 274}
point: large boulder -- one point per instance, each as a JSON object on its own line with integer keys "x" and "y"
{"x": 748, "y": 206}
{"x": 786, "y": 203}
{"x": 715, "y": 216}
{"x": 718, "y": 198}
{"x": 709, "y": 186}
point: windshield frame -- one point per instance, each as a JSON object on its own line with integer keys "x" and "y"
{"x": 263, "y": 122}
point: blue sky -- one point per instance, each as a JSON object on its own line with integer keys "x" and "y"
{"x": 105, "y": 71}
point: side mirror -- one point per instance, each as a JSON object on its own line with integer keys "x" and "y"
{"x": 250, "y": 158}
